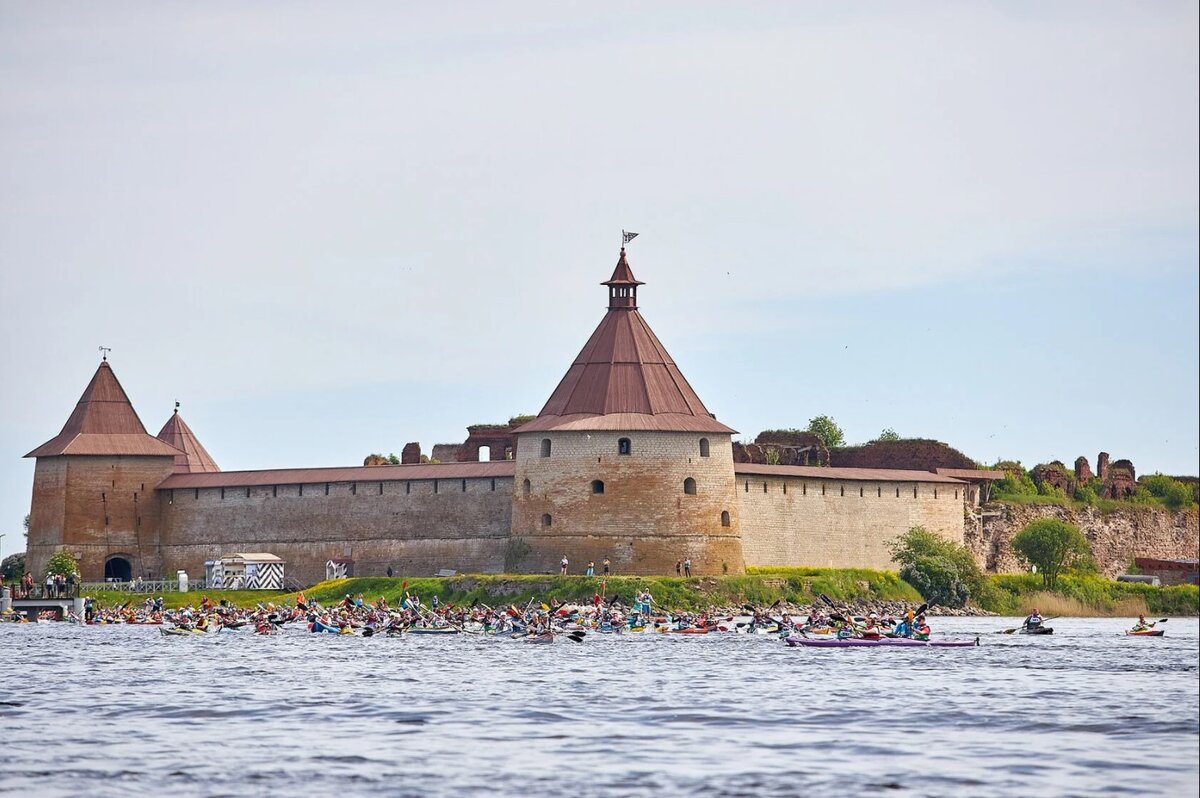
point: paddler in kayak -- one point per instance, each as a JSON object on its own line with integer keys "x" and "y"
{"x": 920, "y": 629}
{"x": 1034, "y": 621}
{"x": 1142, "y": 624}
{"x": 905, "y": 627}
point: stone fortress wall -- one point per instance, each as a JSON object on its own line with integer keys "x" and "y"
{"x": 413, "y": 526}
{"x": 644, "y": 520}
{"x": 839, "y": 523}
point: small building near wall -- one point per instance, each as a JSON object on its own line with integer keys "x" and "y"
{"x": 247, "y": 571}
{"x": 339, "y": 568}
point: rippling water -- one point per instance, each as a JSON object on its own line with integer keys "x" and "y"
{"x": 115, "y": 710}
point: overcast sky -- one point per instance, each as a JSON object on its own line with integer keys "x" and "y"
{"x": 328, "y": 229}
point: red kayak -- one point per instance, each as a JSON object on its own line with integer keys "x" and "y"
{"x": 1146, "y": 633}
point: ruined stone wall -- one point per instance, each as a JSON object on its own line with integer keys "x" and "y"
{"x": 96, "y": 507}
{"x": 643, "y": 522}
{"x": 913, "y": 454}
{"x": 1116, "y": 537}
{"x": 839, "y": 524}
{"x": 415, "y": 526}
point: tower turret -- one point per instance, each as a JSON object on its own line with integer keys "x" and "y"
{"x": 624, "y": 461}
{"x": 93, "y": 487}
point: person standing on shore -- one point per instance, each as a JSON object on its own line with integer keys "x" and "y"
{"x": 562, "y": 566}
{"x": 591, "y": 568}
{"x": 687, "y": 567}
{"x": 606, "y": 564}
{"x": 679, "y": 567}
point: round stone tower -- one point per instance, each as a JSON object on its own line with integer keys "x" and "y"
{"x": 624, "y": 462}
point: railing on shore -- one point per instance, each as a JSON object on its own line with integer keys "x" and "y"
{"x": 142, "y": 586}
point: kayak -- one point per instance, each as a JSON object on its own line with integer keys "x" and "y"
{"x": 317, "y": 626}
{"x": 546, "y": 637}
{"x": 856, "y": 642}
{"x": 1037, "y": 630}
{"x": 439, "y": 630}
{"x": 692, "y": 630}
{"x": 178, "y": 631}
{"x": 1146, "y": 633}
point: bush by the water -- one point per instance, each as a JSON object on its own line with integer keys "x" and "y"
{"x": 61, "y": 563}
{"x": 944, "y": 572}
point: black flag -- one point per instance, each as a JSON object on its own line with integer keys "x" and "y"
{"x": 627, "y": 237}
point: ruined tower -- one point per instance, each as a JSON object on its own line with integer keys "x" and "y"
{"x": 624, "y": 462}
{"x": 93, "y": 487}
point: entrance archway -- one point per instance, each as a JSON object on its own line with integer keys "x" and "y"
{"x": 118, "y": 569}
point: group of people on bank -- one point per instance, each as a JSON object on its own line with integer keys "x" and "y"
{"x": 53, "y": 586}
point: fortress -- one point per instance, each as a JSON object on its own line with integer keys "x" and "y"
{"x": 624, "y": 462}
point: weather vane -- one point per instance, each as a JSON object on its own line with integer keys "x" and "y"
{"x": 104, "y": 350}
{"x": 626, "y": 238}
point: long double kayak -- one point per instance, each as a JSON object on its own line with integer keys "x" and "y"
{"x": 1145, "y": 633}
{"x": 857, "y": 642}
{"x": 432, "y": 630}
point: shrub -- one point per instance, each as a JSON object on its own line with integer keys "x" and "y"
{"x": 944, "y": 568}
{"x": 1015, "y": 484}
{"x": 1086, "y": 494}
{"x": 937, "y": 580}
{"x": 61, "y": 563}
{"x": 827, "y": 430}
{"x": 13, "y": 566}
{"x": 1052, "y": 546}
{"x": 1173, "y": 493}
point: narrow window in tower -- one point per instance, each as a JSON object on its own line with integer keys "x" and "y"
{"x": 860, "y": 491}
{"x": 914, "y": 491}
{"x": 704, "y": 447}
{"x": 879, "y": 492}
{"x": 764, "y": 486}
{"x": 407, "y": 488}
{"x": 804, "y": 489}
{"x": 689, "y": 486}
{"x": 493, "y": 485}
{"x": 724, "y": 518}
{"x": 247, "y": 493}
{"x": 956, "y": 494}
{"x": 822, "y": 488}
{"x": 353, "y": 488}
{"x": 545, "y": 447}
{"x": 464, "y": 486}
{"x": 326, "y": 488}
{"x": 275, "y": 490}
{"x": 301, "y": 487}
{"x": 222, "y": 493}
{"x": 435, "y": 486}
{"x": 525, "y": 487}
{"x": 842, "y": 488}
{"x": 624, "y": 446}
{"x": 197, "y": 496}
{"x": 897, "y": 493}
{"x": 546, "y": 519}
{"x": 597, "y": 486}
{"x": 380, "y": 488}
{"x": 747, "y": 486}
{"x": 171, "y": 498}
{"x": 935, "y": 493}
{"x": 785, "y": 489}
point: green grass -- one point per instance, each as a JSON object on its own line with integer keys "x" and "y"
{"x": 1012, "y": 591}
{"x": 239, "y": 598}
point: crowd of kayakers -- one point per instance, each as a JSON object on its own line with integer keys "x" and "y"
{"x": 538, "y": 621}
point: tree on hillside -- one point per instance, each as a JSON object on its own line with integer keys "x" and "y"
{"x": 888, "y": 434}
{"x": 942, "y": 571}
{"x": 827, "y": 430}
{"x": 1052, "y": 546}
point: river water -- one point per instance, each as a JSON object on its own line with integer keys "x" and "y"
{"x": 124, "y": 711}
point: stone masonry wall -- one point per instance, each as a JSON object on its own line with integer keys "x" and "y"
{"x": 1116, "y": 537}
{"x": 643, "y": 522}
{"x": 839, "y": 524}
{"x": 96, "y": 507}
{"x": 415, "y": 526}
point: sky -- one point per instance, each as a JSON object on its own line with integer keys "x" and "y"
{"x": 329, "y": 229}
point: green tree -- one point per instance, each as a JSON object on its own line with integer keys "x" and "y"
{"x": 13, "y": 566}
{"x": 888, "y": 434}
{"x": 61, "y": 563}
{"x": 942, "y": 571}
{"x": 393, "y": 459}
{"x": 827, "y": 430}
{"x": 1052, "y": 546}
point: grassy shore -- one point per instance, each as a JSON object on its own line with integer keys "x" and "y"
{"x": 1088, "y": 595}
{"x": 1012, "y": 594}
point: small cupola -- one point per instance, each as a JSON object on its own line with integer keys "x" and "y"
{"x": 622, "y": 286}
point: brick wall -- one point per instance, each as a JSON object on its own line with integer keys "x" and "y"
{"x": 415, "y": 526}
{"x": 644, "y": 521}
{"x": 96, "y": 507}
{"x": 839, "y": 524}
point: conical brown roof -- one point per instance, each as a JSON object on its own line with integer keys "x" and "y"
{"x": 623, "y": 379}
{"x": 103, "y": 423}
{"x": 194, "y": 458}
